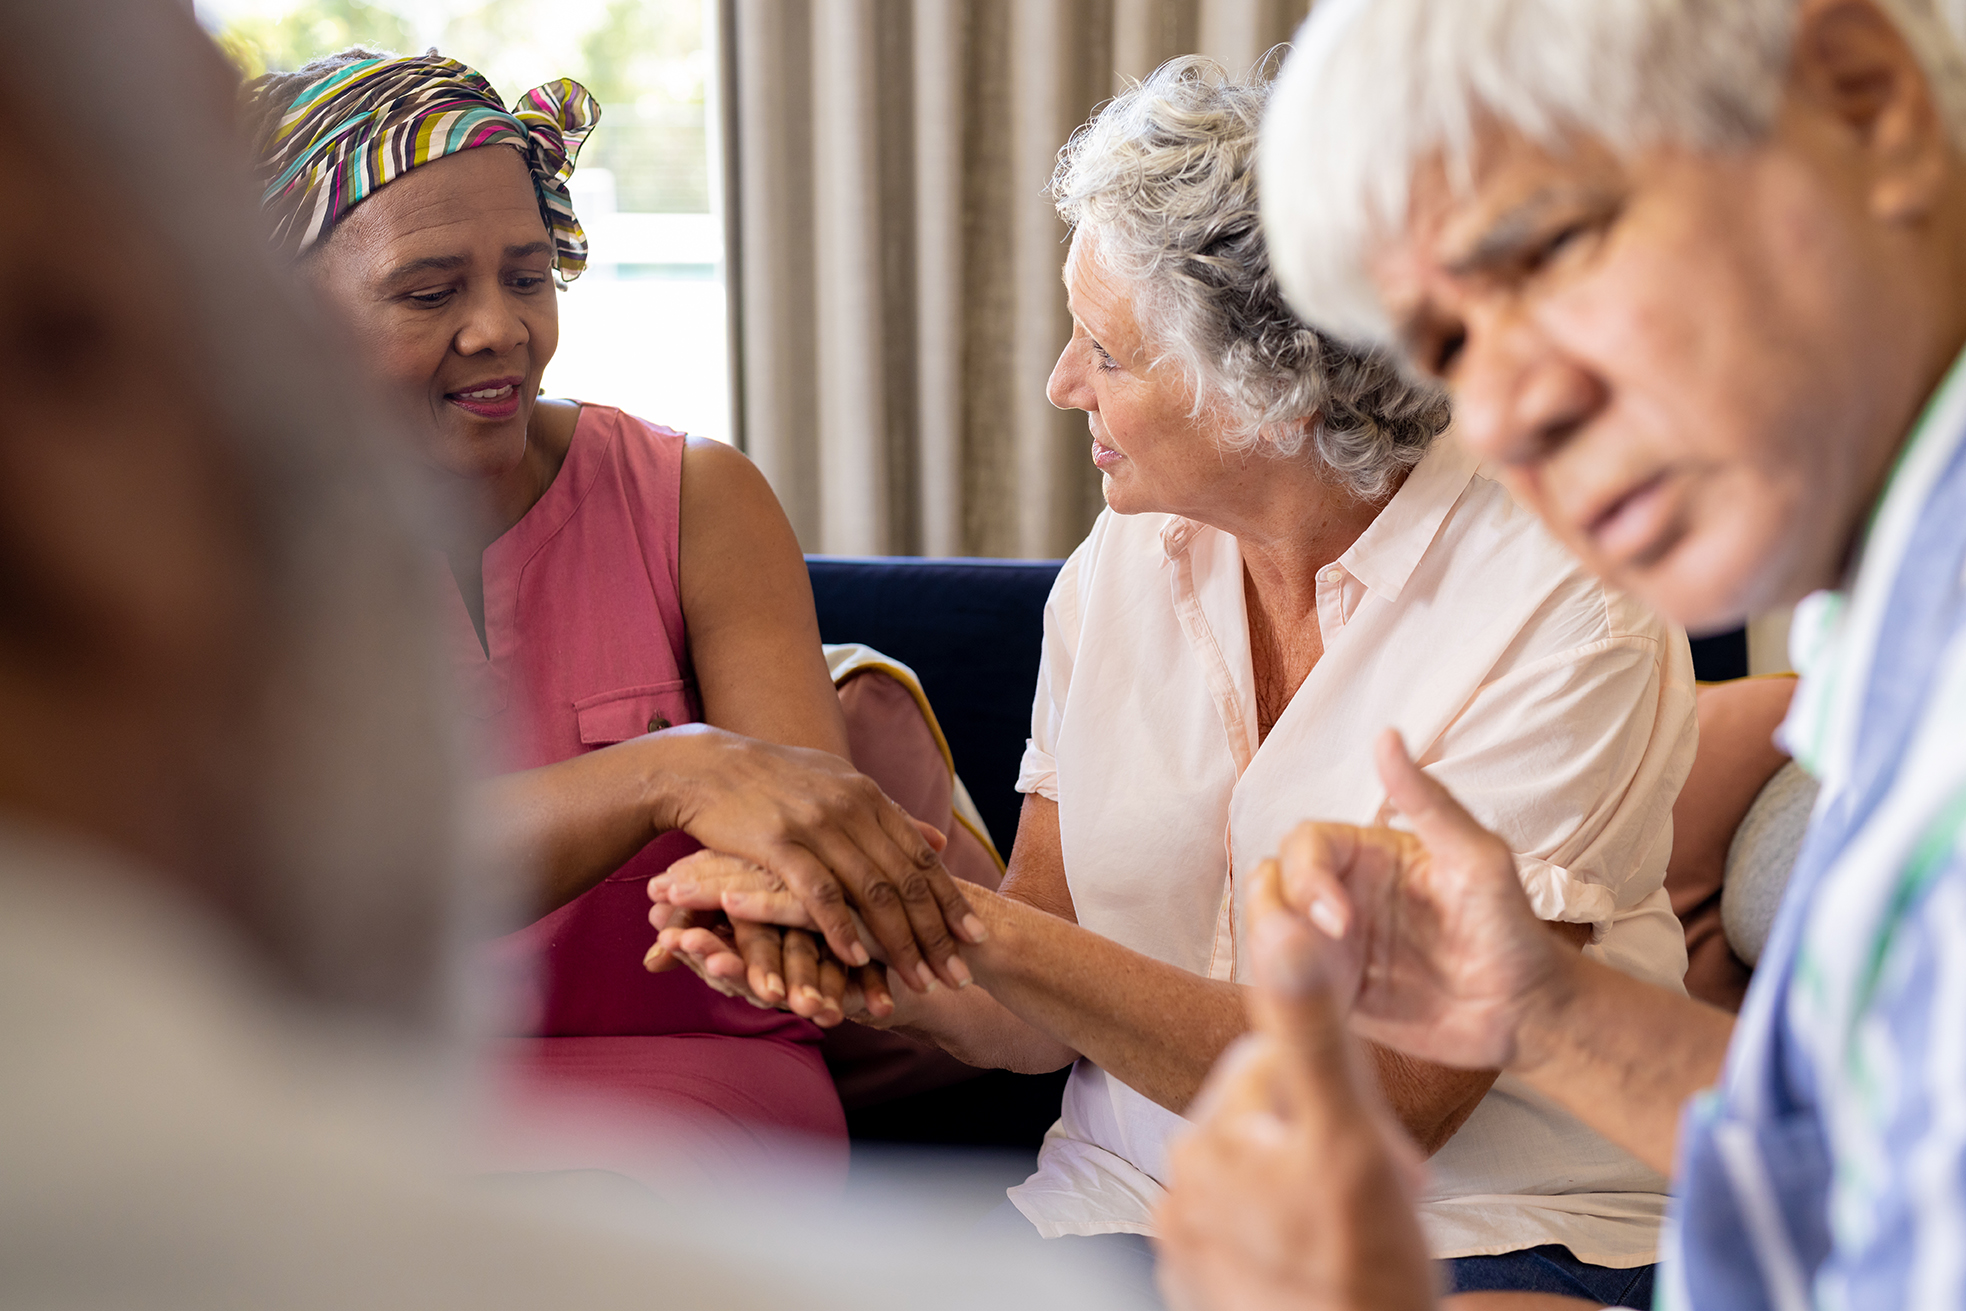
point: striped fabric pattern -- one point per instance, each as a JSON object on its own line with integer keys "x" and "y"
{"x": 367, "y": 123}
{"x": 1828, "y": 1173}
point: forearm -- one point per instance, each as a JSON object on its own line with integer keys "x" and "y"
{"x": 1038, "y": 1017}
{"x": 1431, "y": 1102}
{"x": 573, "y": 823}
{"x": 1153, "y": 1026}
{"x": 1622, "y": 1055}
{"x": 977, "y": 1029}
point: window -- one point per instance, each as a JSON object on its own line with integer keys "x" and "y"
{"x": 643, "y": 328}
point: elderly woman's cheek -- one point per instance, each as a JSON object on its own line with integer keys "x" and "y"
{"x": 406, "y": 356}
{"x": 544, "y": 325}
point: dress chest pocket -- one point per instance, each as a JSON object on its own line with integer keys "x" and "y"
{"x": 609, "y": 717}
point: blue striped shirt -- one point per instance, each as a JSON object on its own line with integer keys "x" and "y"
{"x": 1829, "y": 1169}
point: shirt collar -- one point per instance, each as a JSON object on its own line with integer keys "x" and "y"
{"x": 1834, "y": 636}
{"x": 1390, "y": 549}
{"x": 1176, "y": 534}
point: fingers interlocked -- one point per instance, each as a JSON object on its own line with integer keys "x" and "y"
{"x": 880, "y": 865}
{"x": 834, "y": 840}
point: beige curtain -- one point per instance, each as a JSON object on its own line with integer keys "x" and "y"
{"x": 894, "y": 262}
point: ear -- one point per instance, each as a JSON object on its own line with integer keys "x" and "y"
{"x": 1852, "y": 62}
{"x": 1301, "y": 432}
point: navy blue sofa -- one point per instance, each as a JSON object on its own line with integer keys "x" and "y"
{"x": 972, "y": 629}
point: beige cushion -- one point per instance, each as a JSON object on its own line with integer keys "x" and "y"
{"x": 1761, "y": 858}
{"x": 1737, "y": 757}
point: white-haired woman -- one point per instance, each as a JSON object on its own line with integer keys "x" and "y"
{"x": 1290, "y": 562}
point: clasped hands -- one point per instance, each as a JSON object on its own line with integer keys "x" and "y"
{"x": 857, "y": 891}
{"x": 742, "y": 930}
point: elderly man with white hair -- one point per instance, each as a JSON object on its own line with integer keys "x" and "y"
{"x": 1695, "y": 273}
{"x": 1289, "y": 559}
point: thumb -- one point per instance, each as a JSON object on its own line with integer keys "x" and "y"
{"x": 1297, "y": 1002}
{"x": 1316, "y": 860}
{"x": 936, "y": 837}
{"x": 1440, "y": 822}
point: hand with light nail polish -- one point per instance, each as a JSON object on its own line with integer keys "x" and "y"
{"x": 1045, "y": 990}
{"x": 1445, "y": 962}
{"x": 1445, "y": 957}
{"x": 752, "y": 900}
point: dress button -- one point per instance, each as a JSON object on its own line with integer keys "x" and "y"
{"x": 657, "y": 724}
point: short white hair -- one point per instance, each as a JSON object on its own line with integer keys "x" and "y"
{"x": 1376, "y": 88}
{"x": 1164, "y": 179}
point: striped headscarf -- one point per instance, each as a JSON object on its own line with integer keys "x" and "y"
{"x": 366, "y": 123}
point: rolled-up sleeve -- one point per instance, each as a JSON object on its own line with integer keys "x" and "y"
{"x": 1039, "y": 771}
{"x": 1575, "y": 759}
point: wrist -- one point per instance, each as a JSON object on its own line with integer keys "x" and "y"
{"x": 669, "y": 767}
{"x": 1002, "y": 922}
{"x": 1548, "y": 1015}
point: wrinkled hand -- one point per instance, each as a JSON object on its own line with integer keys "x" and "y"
{"x": 1295, "y": 1190}
{"x": 766, "y": 965}
{"x": 742, "y": 889}
{"x": 836, "y": 842}
{"x": 1443, "y": 957}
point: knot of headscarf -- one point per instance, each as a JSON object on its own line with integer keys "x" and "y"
{"x": 368, "y": 123}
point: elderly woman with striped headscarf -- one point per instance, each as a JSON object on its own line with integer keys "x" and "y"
{"x": 631, "y": 619}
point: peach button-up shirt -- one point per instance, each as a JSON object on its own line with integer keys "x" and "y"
{"x": 1559, "y": 711}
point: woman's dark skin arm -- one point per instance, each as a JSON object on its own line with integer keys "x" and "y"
{"x": 766, "y": 775}
{"x": 1051, "y": 990}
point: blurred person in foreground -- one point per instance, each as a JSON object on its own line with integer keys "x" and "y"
{"x": 226, "y": 871}
{"x": 1696, "y": 276}
{"x": 628, "y": 615}
{"x": 1291, "y": 557}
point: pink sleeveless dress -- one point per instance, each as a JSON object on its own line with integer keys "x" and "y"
{"x": 584, "y": 623}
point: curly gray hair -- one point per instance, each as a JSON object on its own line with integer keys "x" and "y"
{"x": 1164, "y": 179}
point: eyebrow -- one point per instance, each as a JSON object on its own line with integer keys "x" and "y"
{"x": 1502, "y": 243}
{"x": 1073, "y": 313}
{"x": 1503, "y": 240}
{"x": 1092, "y": 334}
{"x": 1521, "y": 226}
{"x": 428, "y": 264}
{"x": 450, "y": 263}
